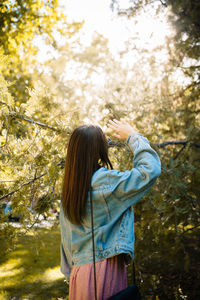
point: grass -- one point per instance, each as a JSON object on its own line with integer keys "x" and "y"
{"x": 32, "y": 269}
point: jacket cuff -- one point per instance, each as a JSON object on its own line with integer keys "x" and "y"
{"x": 132, "y": 137}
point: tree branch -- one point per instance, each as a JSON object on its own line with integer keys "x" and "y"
{"x": 192, "y": 228}
{"x": 27, "y": 119}
{"x": 24, "y": 184}
{"x": 29, "y": 182}
{"x": 193, "y": 67}
{"x": 38, "y": 123}
{"x": 163, "y": 3}
{"x": 162, "y": 145}
{"x": 7, "y": 130}
{"x": 179, "y": 152}
{"x": 111, "y": 143}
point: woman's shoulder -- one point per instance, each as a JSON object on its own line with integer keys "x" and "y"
{"x": 104, "y": 176}
{"x": 99, "y": 177}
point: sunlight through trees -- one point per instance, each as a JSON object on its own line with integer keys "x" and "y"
{"x": 155, "y": 87}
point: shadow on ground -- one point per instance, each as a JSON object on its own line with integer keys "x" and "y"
{"x": 32, "y": 269}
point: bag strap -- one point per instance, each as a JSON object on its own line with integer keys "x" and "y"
{"x": 133, "y": 271}
{"x": 93, "y": 248}
{"x": 93, "y": 245}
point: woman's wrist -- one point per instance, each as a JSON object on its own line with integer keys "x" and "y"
{"x": 132, "y": 135}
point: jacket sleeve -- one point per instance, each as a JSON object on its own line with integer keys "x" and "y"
{"x": 135, "y": 183}
{"x": 64, "y": 265}
{"x": 65, "y": 254}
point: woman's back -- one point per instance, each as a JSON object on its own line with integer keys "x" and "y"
{"x": 113, "y": 194}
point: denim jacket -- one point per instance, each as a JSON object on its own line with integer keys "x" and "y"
{"x": 113, "y": 194}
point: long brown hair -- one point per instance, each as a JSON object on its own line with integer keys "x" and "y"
{"x": 87, "y": 146}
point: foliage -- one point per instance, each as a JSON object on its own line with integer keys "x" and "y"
{"x": 32, "y": 269}
{"x": 89, "y": 84}
{"x": 25, "y": 27}
{"x": 167, "y": 223}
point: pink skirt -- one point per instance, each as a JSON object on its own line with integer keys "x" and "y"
{"x": 110, "y": 277}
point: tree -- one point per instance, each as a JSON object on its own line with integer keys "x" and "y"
{"x": 167, "y": 220}
{"x": 22, "y": 139}
{"x": 22, "y": 23}
{"x": 166, "y": 249}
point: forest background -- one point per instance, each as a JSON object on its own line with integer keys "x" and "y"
{"x": 41, "y": 103}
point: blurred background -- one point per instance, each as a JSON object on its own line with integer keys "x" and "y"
{"x": 65, "y": 63}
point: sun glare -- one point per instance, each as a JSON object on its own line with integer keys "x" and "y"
{"x": 145, "y": 31}
{"x": 98, "y": 17}
{"x": 152, "y": 31}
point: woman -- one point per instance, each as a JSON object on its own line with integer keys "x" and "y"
{"x": 113, "y": 194}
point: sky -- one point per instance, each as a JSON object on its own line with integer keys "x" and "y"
{"x": 99, "y": 17}
{"x": 146, "y": 31}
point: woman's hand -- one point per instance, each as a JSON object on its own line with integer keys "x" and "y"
{"x": 122, "y": 129}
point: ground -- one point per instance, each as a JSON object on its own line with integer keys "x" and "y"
{"x": 32, "y": 269}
